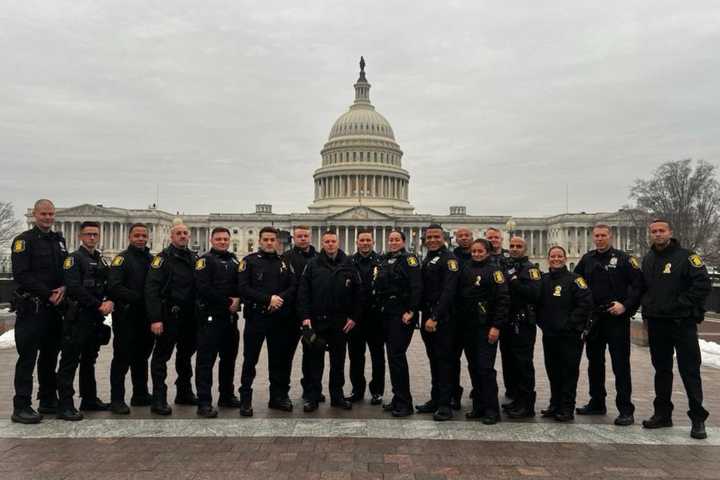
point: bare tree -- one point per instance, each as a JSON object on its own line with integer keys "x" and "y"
{"x": 686, "y": 196}
{"x": 8, "y": 223}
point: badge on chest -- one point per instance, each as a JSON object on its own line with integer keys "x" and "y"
{"x": 557, "y": 291}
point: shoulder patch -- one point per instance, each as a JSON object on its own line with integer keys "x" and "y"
{"x": 117, "y": 261}
{"x": 200, "y": 264}
{"x": 498, "y": 277}
{"x": 18, "y": 246}
{"x": 68, "y": 263}
{"x": 412, "y": 261}
{"x": 534, "y": 274}
{"x": 452, "y": 265}
{"x": 634, "y": 262}
{"x": 696, "y": 261}
{"x": 580, "y": 282}
{"x": 242, "y": 265}
{"x": 157, "y": 261}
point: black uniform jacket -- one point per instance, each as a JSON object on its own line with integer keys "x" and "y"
{"x": 483, "y": 294}
{"x": 126, "y": 280}
{"x": 299, "y": 258}
{"x": 525, "y": 285}
{"x": 612, "y": 275}
{"x": 216, "y": 281}
{"x": 37, "y": 262}
{"x": 368, "y": 266}
{"x": 676, "y": 284}
{"x": 330, "y": 291}
{"x": 440, "y": 270}
{"x": 262, "y": 275}
{"x": 463, "y": 256}
{"x": 398, "y": 283}
{"x": 171, "y": 278}
{"x": 565, "y": 303}
{"x": 86, "y": 277}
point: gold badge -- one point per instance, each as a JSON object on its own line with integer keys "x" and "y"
{"x": 580, "y": 282}
{"x": 477, "y": 280}
{"x": 19, "y": 246}
{"x": 696, "y": 261}
{"x": 68, "y": 263}
{"x": 117, "y": 261}
{"x": 242, "y": 265}
{"x": 635, "y": 263}
{"x": 557, "y": 292}
{"x": 452, "y": 265}
{"x": 498, "y": 277}
{"x": 534, "y": 274}
{"x": 375, "y": 272}
{"x": 668, "y": 268}
{"x": 156, "y": 262}
{"x": 200, "y": 264}
{"x": 412, "y": 261}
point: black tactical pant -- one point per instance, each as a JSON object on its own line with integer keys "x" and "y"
{"x": 679, "y": 336}
{"x": 440, "y": 349}
{"x": 218, "y": 335}
{"x": 180, "y": 332}
{"x": 562, "y": 363}
{"x": 80, "y": 346}
{"x": 458, "y": 348}
{"x": 132, "y": 345}
{"x": 281, "y": 335}
{"x": 37, "y": 340}
{"x": 480, "y": 355}
{"x": 369, "y": 332}
{"x": 517, "y": 347}
{"x": 335, "y": 340}
{"x": 397, "y": 340}
{"x": 613, "y": 332}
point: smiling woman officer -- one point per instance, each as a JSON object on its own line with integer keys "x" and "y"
{"x": 563, "y": 315}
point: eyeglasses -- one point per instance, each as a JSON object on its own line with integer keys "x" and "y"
{"x": 90, "y": 234}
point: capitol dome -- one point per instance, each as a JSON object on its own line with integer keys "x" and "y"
{"x": 361, "y": 161}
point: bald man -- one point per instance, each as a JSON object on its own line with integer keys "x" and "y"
{"x": 170, "y": 302}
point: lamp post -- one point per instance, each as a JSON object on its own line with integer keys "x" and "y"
{"x": 510, "y": 226}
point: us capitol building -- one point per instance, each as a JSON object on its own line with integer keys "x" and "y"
{"x": 361, "y": 183}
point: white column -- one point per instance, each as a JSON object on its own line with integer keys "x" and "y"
{"x": 532, "y": 243}
{"x": 347, "y": 233}
{"x": 365, "y": 187}
{"x": 382, "y": 238}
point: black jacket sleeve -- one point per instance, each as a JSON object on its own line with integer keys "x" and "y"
{"x": 358, "y": 296}
{"x": 204, "y": 273}
{"x": 247, "y": 292}
{"x": 635, "y": 287}
{"x": 156, "y": 278}
{"x": 415, "y": 280}
{"x": 500, "y": 305}
{"x": 117, "y": 290}
{"x": 698, "y": 285}
{"x": 22, "y": 270}
{"x": 449, "y": 290}
{"x": 288, "y": 295}
{"x": 527, "y": 285}
{"x": 582, "y": 304}
{"x": 74, "y": 283}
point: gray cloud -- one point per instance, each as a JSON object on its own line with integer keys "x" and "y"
{"x": 227, "y": 104}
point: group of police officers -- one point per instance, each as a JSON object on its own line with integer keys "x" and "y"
{"x": 467, "y": 300}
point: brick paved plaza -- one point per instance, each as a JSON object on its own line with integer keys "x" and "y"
{"x": 359, "y": 444}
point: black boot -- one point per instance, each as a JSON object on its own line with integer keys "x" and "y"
{"x": 185, "y": 397}
{"x": 69, "y": 413}
{"x": 591, "y": 409}
{"x": 160, "y": 406}
{"x": 283, "y": 404}
{"x": 207, "y": 411}
{"x": 427, "y": 407}
{"x": 443, "y": 413}
{"x": 26, "y": 415}
{"x": 229, "y": 401}
{"x": 698, "y": 430}
{"x": 520, "y": 411}
{"x": 94, "y": 405}
{"x": 142, "y": 399}
{"x": 48, "y": 407}
{"x": 119, "y": 407}
{"x": 657, "y": 421}
{"x": 246, "y": 409}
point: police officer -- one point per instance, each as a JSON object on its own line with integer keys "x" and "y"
{"x": 464, "y": 238}
{"x": 170, "y": 302}
{"x": 564, "y": 313}
{"x": 218, "y": 335}
{"x": 520, "y": 332}
{"x": 369, "y": 331}
{"x": 615, "y": 280}
{"x": 398, "y": 290}
{"x": 132, "y": 338}
{"x": 677, "y": 285}
{"x": 86, "y": 276}
{"x": 37, "y": 258}
{"x": 439, "y": 273}
{"x": 330, "y": 302}
{"x": 501, "y": 257}
{"x": 298, "y": 256}
{"x": 267, "y": 286}
{"x": 482, "y": 311}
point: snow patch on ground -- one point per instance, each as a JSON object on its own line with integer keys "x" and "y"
{"x": 7, "y": 339}
{"x": 710, "y": 353}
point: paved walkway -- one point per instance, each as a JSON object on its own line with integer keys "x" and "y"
{"x": 362, "y": 443}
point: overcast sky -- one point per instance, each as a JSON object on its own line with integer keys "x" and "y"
{"x": 224, "y": 104}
